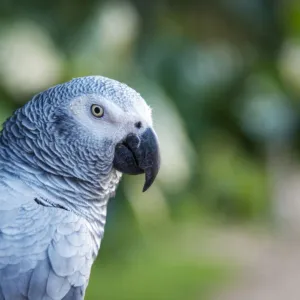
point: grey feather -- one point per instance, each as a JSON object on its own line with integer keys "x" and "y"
{"x": 57, "y": 286}
{"x": 75, "y": 293}
{"x": 38, "y": 282}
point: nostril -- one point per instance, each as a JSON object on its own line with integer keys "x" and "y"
{"x": 138, "y": 125}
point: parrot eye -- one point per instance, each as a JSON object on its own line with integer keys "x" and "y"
{"x": 97, "y": 111}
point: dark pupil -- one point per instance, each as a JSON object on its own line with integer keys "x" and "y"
{"x": 97, "y": 110}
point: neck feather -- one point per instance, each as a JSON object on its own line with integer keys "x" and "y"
{"x": 68, "y": 177}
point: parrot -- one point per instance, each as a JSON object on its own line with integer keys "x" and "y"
{"x": 62, "y": 156}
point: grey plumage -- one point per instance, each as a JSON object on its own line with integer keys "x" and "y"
{"x": 56, "y": 176}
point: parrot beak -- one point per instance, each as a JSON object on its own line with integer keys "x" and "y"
{"x": 138, "y": 155}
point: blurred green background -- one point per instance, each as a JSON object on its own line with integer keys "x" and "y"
{"x": 223, "y": 79}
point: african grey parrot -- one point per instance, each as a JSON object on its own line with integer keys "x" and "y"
{"x": 61, "y": 158}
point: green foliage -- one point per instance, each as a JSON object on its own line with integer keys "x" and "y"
{"x": 158, "y": 266}
{"x": 233, "y": 181}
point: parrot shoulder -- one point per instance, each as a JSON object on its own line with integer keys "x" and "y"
{"x": 45, "y": 252}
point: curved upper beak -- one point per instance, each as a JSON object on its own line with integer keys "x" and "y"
{"x": 137, "y": 155}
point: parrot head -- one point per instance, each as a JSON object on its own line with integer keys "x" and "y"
{"x": 96, "y": 125}
{"x": 118, "y": 116}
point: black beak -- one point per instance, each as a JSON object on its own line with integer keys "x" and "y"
{"x": 138, "y": 155}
